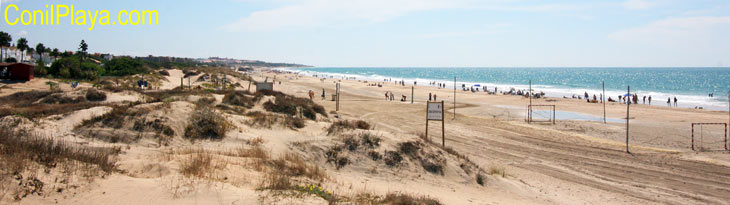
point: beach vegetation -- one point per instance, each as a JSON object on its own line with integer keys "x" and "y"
{"x": 205, "y": 123}
{"x": 95, "y": 95}
{"x": 343, "y": 125}
{"x": 407, "y": 199}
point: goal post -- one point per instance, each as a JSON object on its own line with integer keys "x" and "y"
{"x": 713, "y": 141}
{"x": 541, "y": 113}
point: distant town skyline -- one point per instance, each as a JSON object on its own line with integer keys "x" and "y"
{"x": 409, "y": 33}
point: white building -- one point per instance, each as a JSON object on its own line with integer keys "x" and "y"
{"x": 13, "y": 52}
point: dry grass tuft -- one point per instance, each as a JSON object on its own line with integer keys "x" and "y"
{"x": 267, "y": 120}
{"x": 18, "y": 149}
{"x": 343, "y": 125}
{"x": 499, "y": 171}
{"x": 406, "y": 199}
{"x": 198, "y": 164}
{"x": 293, "y": 165}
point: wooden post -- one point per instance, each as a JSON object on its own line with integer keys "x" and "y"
{"x": 427, "y": 137}
{"x": 443, "y": 126}
{"x": 628, "y": 104}
{"x": 338, "y": 97}
{"x": 603, "y": 99}
{"x": 249, "y": 86}
{"x": 182, "y": 83}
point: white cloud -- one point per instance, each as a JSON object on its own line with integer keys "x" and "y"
{"x": 313, "y": 13}
{"x": 637, "y": 4}
{"x": 23, "y": 33}
{"x": 675, "y": 31}
{"x": 323, "y": 12}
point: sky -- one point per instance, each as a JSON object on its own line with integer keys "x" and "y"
{"x": 407, "y": 33}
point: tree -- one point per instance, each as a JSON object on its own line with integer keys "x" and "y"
{"x": 22, "y": 46}
{"x": 5, "y": 40}
{"x": 83, "y": 47}
{"x": 41, "y": 49}
{"x": 40, "y": 68}
{"x": 55, "y": 53}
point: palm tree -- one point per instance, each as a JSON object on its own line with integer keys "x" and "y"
{"x": 22, "y": 46}
{"x": 40, "y": 48}
{"x": 5, "y": 40}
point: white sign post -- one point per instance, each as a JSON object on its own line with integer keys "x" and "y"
{"x": 435, "y": 111}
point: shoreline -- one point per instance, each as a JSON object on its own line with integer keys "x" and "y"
{"x": 694, "y": 102}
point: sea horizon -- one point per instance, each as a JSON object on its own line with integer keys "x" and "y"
{"x": 658, "y": 82}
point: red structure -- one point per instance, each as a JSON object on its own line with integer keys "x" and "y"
{"x": 16, "y": 71}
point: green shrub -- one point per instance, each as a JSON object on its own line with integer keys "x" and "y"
{"x": 239, "y": 98}
{"x": 206, "y": 124}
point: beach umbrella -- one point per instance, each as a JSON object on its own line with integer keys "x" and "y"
{"x": 627, "y": 94}
{"x": 477, "y": 85}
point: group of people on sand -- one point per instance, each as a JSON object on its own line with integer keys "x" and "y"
{"x": 627, "y": 99}
{"x": 439, "y": 85}
{"x": 389, "y": 96}
{"x": 432, "y": 97}
{"x": 311, "y": 94}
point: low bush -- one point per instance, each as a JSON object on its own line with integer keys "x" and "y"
{"x": 343, "y": 125}
{"x": 164, "y": 73}
{"x": 206, "y": 124}
{"x": 392, "y": 158}
{"x": 60, "y": 98}
{"x": 239, "y": 98}
{"x": 95, "y": 95}
{"x": 287, "y": 104}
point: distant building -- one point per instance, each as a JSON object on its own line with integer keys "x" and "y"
{"x": 16, "y": 71}
{"x": 13, "y": 52}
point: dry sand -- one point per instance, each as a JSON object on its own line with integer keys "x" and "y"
{"x": 572, "y": 162}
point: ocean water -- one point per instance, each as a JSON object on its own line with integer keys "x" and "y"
{"x": 691, "y": 86}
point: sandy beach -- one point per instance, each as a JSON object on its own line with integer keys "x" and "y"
{"x": 570, "y": 162}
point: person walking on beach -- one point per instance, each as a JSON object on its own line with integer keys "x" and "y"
{"x": 675, "y": 101}
{"x": 644, "y": 100}
{"x": 324, "y": 95}
{"x": 586, "y": 95}
{"x": 429, "y": 97}
{"x": 434, "y": 97}
{"x": 669, "y": 102}
{"x": 392, "y": 96}
{"x": 650, "y": 100}
{"x": 311, "y": 95}
{"x": 386, "y": 95}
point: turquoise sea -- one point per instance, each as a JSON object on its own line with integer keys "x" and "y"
{"x": 691, "y": 86}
